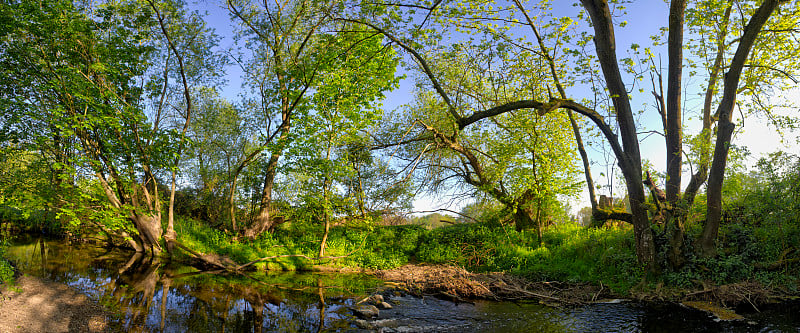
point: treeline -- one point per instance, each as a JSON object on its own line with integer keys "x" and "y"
{"x": 114, "y": 122}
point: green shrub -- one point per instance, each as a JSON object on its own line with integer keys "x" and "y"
{"x": 6, "y": 270}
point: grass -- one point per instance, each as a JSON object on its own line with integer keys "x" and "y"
{"x": 6, "y": 270}
{"x": 371, "y": 248}
{"x": 568, "y": 253}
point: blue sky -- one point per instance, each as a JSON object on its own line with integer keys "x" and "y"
{"x": 645, "y": 18}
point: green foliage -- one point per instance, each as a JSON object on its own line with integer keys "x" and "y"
{"x": 381, "y": 248}
{"x": 568, "y": 253}
{"x": 6, "y": 270}
{"x": 576, "y": 254}
{"x": 760, "y": 230}
{"x": 432, "y": 221}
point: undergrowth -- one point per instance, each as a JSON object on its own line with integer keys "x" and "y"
{"x": 568, "y": 253}
{"x": 6, "y": 270}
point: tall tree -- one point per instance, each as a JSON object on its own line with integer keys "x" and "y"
{"x": 283, "y": 68}
{"x": 471, "y": 16}
{"x": 87, "y": 84}
{"x": 306, "y": 67}
{"x": 345, "y": 103}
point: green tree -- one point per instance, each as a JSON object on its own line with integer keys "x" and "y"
{"x": 414, "y": 37}
{"x": 329, "y": 146}
{"x": 282, "y": 68}
{"x": 79, "y": 72}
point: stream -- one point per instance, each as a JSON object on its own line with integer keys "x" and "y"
{"x": 154, "y": 296}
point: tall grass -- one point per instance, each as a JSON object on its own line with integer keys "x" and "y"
{"x": 568, "y": 252}
{"x": 6, "y": 270}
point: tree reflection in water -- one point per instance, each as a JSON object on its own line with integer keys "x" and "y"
{"x": 155, "y": 295}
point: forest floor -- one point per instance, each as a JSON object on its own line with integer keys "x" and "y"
{"x": 36, "y": 305}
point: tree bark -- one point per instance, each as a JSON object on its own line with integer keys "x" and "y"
{"x": 673, "y": 133}
{"x": 263, "y": 221}
{"x": 674, "y": 129}
{"x": 630, "y": 159}
{"x": 707, "y": 241}
{"x": 587, "y": 171}
{"x": 170, "y": 235}
{"x": 231, "y": 201}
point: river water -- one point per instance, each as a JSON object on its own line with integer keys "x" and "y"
{"x": 151, "y": 296}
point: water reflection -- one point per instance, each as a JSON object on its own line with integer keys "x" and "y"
{"x": 152, "y": 295}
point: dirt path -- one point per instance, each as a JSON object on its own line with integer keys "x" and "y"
{"x": 44, "y": 306}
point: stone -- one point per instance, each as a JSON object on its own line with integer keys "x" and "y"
{"x": 361, "y": 323}
{"x": 376, "y": 299}
{"x": 365, "y": 311}
{"x": 384, "y": 305}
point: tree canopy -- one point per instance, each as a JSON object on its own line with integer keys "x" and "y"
{"x": 121, "y": 107}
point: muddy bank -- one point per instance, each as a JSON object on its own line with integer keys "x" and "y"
{"x": 458, "y": 284}
{"x": 37, "y": 305}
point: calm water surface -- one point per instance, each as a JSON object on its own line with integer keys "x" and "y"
{"x": 153, "y": 296}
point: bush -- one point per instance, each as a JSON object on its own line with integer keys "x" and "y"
{"x": 6, "y": 270}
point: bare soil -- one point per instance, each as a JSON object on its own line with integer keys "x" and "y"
{"x": 36, "y": 305}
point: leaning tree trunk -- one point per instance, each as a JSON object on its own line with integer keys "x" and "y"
{"x": 263, "y": 221}
{"x": 170, "y": 236}
{"x": 726, "y": 126}
{"x": 149, "y": 228}
{"x": 587, "y": 171}
{"x": 629, "y": 159}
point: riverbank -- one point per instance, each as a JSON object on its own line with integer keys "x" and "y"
{"x": 754, "y": 267}
{"x": 458, "y": 284}
{"x": 571, "y": 265}
{"x": 37, "y": 305}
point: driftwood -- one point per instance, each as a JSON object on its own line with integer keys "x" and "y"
{"x": 214, "y": 260}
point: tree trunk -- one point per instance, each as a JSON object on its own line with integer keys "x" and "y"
{"x": 674, "y": 129}
{"x": 247, "y": 160}
{"x": 263, "y": 221}
{"x": 645, "y": 245}
{"x": 673, "y": 133}
{"x": 523, "y": 218}
{"x": 149, "y": 228}
{"x": 725, "y": 128}
{"x": 629, "y": 159}
{"x": 231, "y": 202}
{"x": 587, "y": 171}
{"x": 170, "y": 236}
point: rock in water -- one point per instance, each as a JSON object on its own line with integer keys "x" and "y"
{"x": 365, "y": 311}
{"x": 375, "y": 299}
